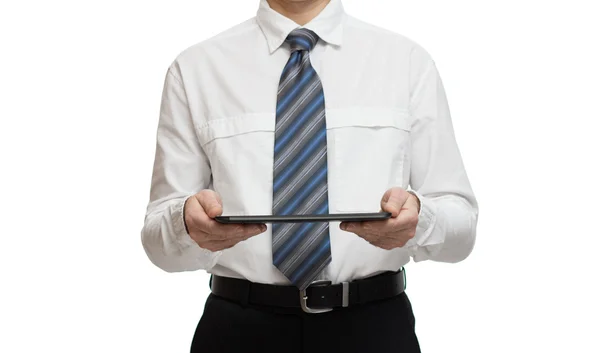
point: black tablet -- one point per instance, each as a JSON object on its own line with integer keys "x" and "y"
{"x": 330, "y": 217}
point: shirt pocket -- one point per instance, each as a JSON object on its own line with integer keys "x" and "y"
{"x": 370, "y": 156}
{"x": 223, "y": 128}
{"x": 240, "y": 152}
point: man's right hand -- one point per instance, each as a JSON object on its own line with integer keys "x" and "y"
{"x": 199, "y": 213}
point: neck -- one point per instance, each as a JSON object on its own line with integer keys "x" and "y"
{"x": 299, "y": 11}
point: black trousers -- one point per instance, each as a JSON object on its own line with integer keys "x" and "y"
{"x": 377, "y": 327}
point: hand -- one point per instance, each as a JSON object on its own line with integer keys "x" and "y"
{"x": 396, "y": 231}
{"x": 199, "y": 213}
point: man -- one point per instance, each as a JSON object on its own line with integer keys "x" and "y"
{"x": 306, "y": 110}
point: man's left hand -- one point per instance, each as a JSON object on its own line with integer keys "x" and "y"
{"x": 396, "y": 231}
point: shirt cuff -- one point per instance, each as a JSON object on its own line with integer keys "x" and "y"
{"x": 426, "y": 237}
{"x": 205, "y": 257}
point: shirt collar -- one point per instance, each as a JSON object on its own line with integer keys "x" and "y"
{"x": 276, "y": 27}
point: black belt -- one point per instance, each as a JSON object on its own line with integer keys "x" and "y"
{"x": 320, "y": 296}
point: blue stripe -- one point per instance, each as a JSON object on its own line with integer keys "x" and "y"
{"x": 281, "y": 178}
{"x": 291, "y": 63}
{"x": 291, "y": 243}
{"x": 303, "y": 43}
{"x": 284, "y": 101}
{"x": 306, "y": 190}
{"x": 317, "y": 254}
{"x": 291, "y": 130}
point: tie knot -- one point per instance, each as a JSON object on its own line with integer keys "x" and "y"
{"x": 302, "y": 39}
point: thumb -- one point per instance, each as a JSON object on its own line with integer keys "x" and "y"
{"x": 210, "y": 202}
{"x": 392, "y": 201}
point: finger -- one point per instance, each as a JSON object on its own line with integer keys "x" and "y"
{"x": 387, "y": 238}
{"x": 210, "y": 206}
{"x": 407, "y": 219}
{"x": 350, "y": 226}
{"x": 197, "y": 219}
{"x": 358, "y": 229}
{"x": 239, "y": 233}
{"x": 250, "y": 230}
{"x": 193, "y": 214}
{"x": 393, "y": 199}
{"x": 215, "y": 244}
{"x": 412, "y": 203}
{"x": 225, "y": 231}
{"x": 369, "y": 226}
{"x": 211, "y": 203}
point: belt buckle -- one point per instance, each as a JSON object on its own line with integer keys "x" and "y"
{"x": 304, "y": 297}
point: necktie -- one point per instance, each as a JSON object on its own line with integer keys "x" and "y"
{"x": 300, "y": 250}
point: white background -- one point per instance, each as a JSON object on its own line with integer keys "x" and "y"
{"x": 80, "y": 87}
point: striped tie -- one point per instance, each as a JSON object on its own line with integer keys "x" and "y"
{"x": 300, "y": 250}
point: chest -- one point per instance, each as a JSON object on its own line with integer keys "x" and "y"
{"x": 229, "y": 83}
{"x": 367, "y": 121}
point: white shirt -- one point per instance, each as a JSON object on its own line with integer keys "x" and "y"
{"x": 388, "y": 124}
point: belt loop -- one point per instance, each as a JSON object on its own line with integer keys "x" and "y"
{"x": 404, "y": 276}
{"x": 345, "y": 294}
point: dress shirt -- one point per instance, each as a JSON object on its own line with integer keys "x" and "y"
{"x": 388, "y": 124}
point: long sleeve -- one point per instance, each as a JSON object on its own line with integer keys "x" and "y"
{"x": 449, "y": 211}
{"x": 181, "y": 169}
